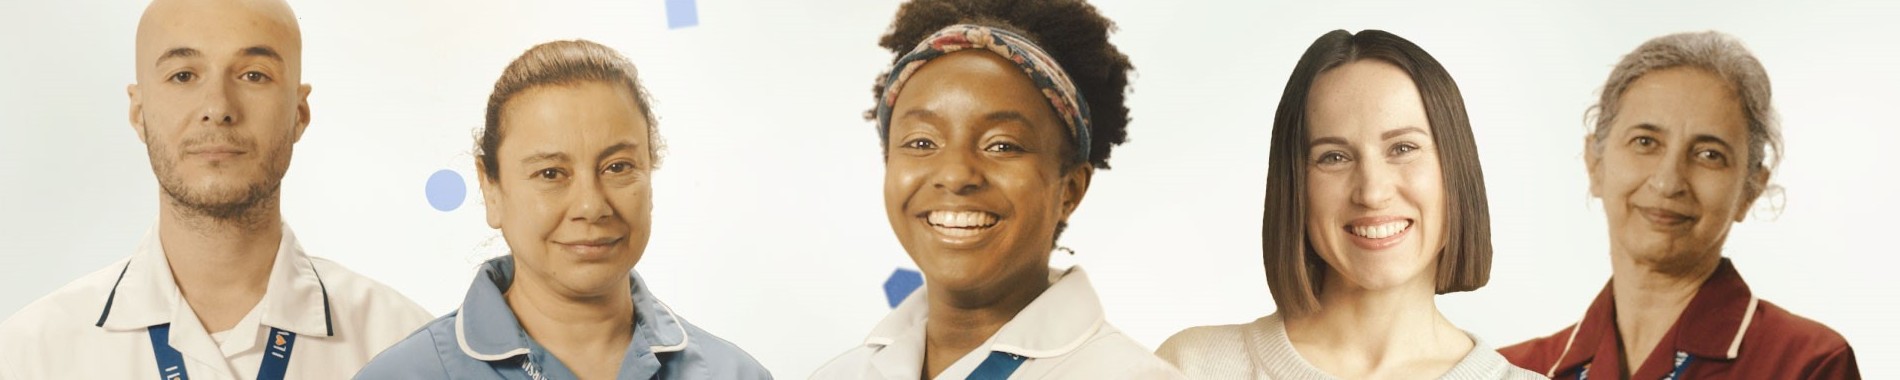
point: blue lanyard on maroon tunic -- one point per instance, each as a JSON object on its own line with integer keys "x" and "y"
{"x": 1682, "y": 364}
{"x": 171, "y": 364}
{"x": 997, "y": 367}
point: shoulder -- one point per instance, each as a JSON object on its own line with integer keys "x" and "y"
{"x": 1540, "y": 352}
{"x": 69, "y": 310}
{"x": 1799, "y": 339}
{"x": 853, "y": 364}
{"x": 1203, "y": 343}
{"x": 1212, "y": 351}
{"x": 724, "y": 360}
{"x": 1112, "y": 354}
{"x": 1485, "y": 362}
{"x": 73, "y": 307}
{"x": 418, "y": 356}
{"x": 371, "y": 302}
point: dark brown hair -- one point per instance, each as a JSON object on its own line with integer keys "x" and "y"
{"x": 562, "y": 63}
{"x": 1071, "y": 31}
{"x": 1295, "y": 273}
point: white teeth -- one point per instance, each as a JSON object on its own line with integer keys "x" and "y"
{"x": 961, "y": 219}
{"x": 1381, "y": 231}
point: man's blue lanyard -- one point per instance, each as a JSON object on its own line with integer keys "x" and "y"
{"x": 1682, "y": 364}
{"x": 997, "y": 367}
{"x": 171, "y": 364}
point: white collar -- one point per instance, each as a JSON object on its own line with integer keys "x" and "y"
{"x": 146, "y": 295}
{"x": 1057, "y": 322}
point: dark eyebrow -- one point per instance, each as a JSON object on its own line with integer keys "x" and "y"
{"x": 1388, "y": 135}
{"x": 1652, "y": 128}
{"x": 1003, "y": 116}
{"x": 921, "y": 114}
{"x": 616, "y": 148}
{"x": 261, "y": 51}
{"x": 1327, "y": 140}
{"x": 1707, "y": 138}
{"x": 183, "y": 52}
{"x": 548, "y": 156}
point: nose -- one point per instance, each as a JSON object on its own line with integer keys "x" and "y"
{"x": 1376, "y": 185}
{"x": 220, "y": 107}
{"x": 958, "y": 172}
{"x": 590, "y": 200}
{"x": 1667, "y": 180}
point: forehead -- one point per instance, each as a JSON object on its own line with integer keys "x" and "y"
{"x": 969, "y": 84}
{"x": 1367, "y": 93}
{"x": 217, "y": 28}
{"x": 577, "y": 116}
{"x": 1682, "y": 99}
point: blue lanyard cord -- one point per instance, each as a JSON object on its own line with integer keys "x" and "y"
{"x": 997, "y": 367}
{"x": 1682, "y": 365}
{"x": 171, "y": 364}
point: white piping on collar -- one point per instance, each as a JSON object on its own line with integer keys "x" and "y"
{"x": 1552, "y": 373}
{"x": 1735, "y": 347}
{"x": 684, "y": 337}
{"x": 462, "y": 340}
{"x": 1079, "y": 340}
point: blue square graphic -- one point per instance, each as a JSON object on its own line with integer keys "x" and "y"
{"x": 681, "y": 14}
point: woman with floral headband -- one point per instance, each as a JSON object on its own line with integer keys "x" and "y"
{"x": 993, "y": 118}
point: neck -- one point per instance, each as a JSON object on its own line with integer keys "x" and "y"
{"x": 1649, "y": 299}
{"x": 577, "y": 329}
{"x": 959, "y": 322}
{"x": 1362, "y": 333}
{"x": 222, "y": 267}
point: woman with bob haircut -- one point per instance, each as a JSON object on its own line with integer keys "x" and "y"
{"x": 1375, "y": 203}
{"x": 1680, "y": 146}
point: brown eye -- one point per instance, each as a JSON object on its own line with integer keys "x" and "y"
{"x": 549, "y": 174}
{"x": 183, "y": 77}
{"x": 1004, "y": 147}
{"x": 619, "y": 167}
{"x": 1645, "y": 143}
{"x": 253, "y": 76}
{"x": 1332, "y": 158}
{"x": 1712, "y": 156}
{"x": 1403, "y": 148}
{"x": 920, "y": 144}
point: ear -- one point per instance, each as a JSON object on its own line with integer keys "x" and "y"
{"x": 1751, "y": 192}
{"x": 303, "y": 111}
{"x": 1075, "y": 184}
{"x": 1591, "y": 159}
{"x": 136, "y": 113}
{"x": 491, "y": 195}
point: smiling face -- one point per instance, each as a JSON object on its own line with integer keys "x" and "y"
{"x": 217, "y": 103}
{"x": 1375, "y": 193}
{"x": 572, "y": 194}
{"x": 974, "y": 182}
{"x": 1673, "y": 172}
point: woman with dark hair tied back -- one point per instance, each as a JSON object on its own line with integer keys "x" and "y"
{"x": 566, "y": 158}
{"x": 993, "y": 118}
{"x": 1375, "y": 204}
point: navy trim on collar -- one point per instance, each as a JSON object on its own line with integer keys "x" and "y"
{"x": 114, "y": 294}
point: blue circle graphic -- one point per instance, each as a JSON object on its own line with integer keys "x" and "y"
{"x": 446, "y": 190}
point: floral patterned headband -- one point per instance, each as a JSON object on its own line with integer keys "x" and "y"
{"x": 1043, "y": 70}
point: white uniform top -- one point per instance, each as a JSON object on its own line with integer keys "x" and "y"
{"x": 95, "y": 327}
{"x": 1060, "y": 335}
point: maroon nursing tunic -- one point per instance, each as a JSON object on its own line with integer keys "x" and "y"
{"x": 1725, "y": 333}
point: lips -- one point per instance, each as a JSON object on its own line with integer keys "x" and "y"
{"x": 1663, "y": 217}
{"x": 960, "y": 223}
{"x": 1378, "y": 232}
{"x": 591, "y": 248}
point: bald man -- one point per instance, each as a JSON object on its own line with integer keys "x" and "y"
{"x": 219, "y": 289}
